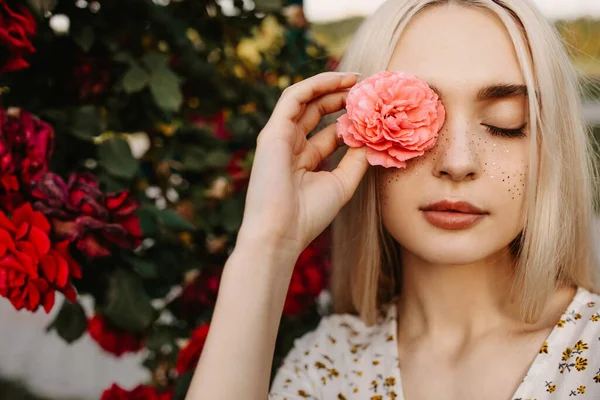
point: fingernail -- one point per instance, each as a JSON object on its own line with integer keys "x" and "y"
{"x": 356, "y": 73}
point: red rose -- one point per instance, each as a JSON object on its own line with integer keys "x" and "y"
{"x": 81, "y": 212}
{"x": 111, "y": 338}
{"x": 309, "y": 278}
{"x": 89, "y": 79}
{"x": 188, "y": 356}
{"x": 31, "y": 267}
{"x": 17, "y": 26}
{"x": 239, "y": 169}
{"x": 216, "y": 124}
{"x": 201, "y": 292}
{"x": 26, "y": 144}
{"x": 141, "y": 392}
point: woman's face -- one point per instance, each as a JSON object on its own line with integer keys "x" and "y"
{"x": 463, "y": 201}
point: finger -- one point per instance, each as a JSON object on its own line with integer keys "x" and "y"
{"x": 350, "y": 170}
{"x": 294, "y": 98}
{"x": 316, "y": 109}
{"x": 319, "y": 147}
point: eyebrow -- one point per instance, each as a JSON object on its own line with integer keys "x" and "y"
{"x": 494, "y": 92}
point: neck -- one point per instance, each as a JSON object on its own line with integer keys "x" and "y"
{"x": 463, "y": 300}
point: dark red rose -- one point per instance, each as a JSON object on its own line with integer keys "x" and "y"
{"x": 141, "y": 392}
{"x": 239, "y": 169}
{"x": 81, "y": 212}
{"x": 201, "y": 293}
{"x": 309, "y": 278}
{"x": 31, "y": 267}
{"x": 89, "y": 79}
{"x": 216, "y": 124}
{"x": 26, "y": 144}
{"x": 17, "y": 27}
{"x": 188, "y": 356}
{"x": 111, "y": 338}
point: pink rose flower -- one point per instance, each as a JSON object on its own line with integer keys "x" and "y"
{"x": 395, "y": 114}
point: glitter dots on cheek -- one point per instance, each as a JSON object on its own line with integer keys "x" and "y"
{"x": 514, "y": 180}
{"x": 499, "y": 165}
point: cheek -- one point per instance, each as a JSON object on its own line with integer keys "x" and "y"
{"x": 505, "y": 163}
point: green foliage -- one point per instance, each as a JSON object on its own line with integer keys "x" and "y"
{"x": 195, "y": 86}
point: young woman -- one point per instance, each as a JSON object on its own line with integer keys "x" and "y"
{"x": 470, "y": 273}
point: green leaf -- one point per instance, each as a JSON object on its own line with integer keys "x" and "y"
{"x": 145, "y": 268}
{"x": 232, "y": 212}
{"x": 165, "y": 89}
{"x": 267, "y": 5}
{"x": 115, "y": 156}
{"x": 42, "y": 6}
{"x": 161, "y": 336}
{"x": 112, "y": 183}
{"x": 127, "y": 303}
{"x": 124, "y": 57}
{"x": 148, "y": 221}
{"x": 182, "y": 385}
{"x": 135, "y": 79}
{"x": 239, "y": 126}
{"x": 87, "y": 123}
{"x": 170, "y": 219}
{"x": 70, "y": 322}
{"x": 155, "y": 62}
{"x": 217, "y": 159}
{"x": 85, "y": 38}
{"x": 194, "y": 158}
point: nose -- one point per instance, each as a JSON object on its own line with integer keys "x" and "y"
{"x": 456, "y": 157}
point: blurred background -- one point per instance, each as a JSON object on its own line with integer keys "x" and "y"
{"x": 146, "y": 116}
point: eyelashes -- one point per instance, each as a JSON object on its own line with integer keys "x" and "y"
{"x": 509, "y": 133}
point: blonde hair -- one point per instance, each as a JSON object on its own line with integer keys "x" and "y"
{"x": 555, "y": 248}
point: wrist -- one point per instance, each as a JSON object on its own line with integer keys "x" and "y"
{"x": 270, "y": 244}
{"x": 263, "y": 260}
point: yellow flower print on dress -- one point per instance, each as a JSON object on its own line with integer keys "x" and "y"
{"x": 579, "y": 346}
{"x": 581, "y": 363}
{"x": 567, "y": 354}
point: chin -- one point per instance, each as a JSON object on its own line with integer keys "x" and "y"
{"x": 451, "y": 254}
{"x": 454, "y": 248}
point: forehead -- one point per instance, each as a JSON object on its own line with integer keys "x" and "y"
{"x": 456, "y": 47}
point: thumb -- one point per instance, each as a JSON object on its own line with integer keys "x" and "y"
{"x": 351, "y": 169}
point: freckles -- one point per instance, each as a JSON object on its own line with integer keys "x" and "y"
{"x": 511, "y": 177}
{"x": 515, "y": 181}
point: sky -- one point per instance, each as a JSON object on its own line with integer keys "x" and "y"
{"x": 327, "y": 10}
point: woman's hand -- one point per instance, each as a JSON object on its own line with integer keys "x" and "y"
{"x": 287, "y": 204}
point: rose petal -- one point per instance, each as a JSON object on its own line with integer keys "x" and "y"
{"x": 382, "y": 158}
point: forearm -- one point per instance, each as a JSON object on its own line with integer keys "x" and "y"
{"x": 238, "y": 353}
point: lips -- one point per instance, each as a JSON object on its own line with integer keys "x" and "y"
{"x": 453, "y": 215}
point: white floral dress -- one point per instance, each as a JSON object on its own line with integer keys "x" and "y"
{"x": 343, "y": 359}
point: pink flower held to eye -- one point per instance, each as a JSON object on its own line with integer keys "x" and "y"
{"x": 395, "y": 114}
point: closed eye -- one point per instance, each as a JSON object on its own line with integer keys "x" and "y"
{"x": 512, "y": 133}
